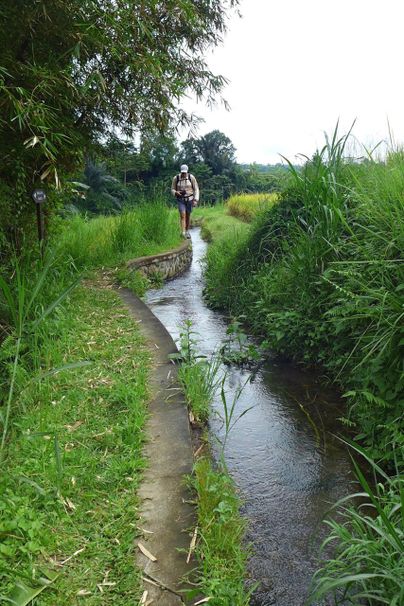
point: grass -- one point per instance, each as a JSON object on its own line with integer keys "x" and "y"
{"x": 108, "y": 241}
{"x": 319, "y": 276}
{"x": 220, "y": 553}
{"x": 216, "y": 223}
{"x": 200, "y": 379}
{"x": 73, "y": 392}
{"x": 68, "y": 484}
{"x": 199, "y": 375}
{"x": 247, "y": 206}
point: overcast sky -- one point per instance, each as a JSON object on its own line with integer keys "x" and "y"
{"x": 297, "y": 66}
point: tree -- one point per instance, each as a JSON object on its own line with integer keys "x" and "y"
{"x": 214, "y": 149}
{"x": 121, "y": 158}
{"x": 71, "y": 70}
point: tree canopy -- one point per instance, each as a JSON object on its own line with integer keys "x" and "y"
{"x": 72, "y": 70}
{"x": 215, "y": 149}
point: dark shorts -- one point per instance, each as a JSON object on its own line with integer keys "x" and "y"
{"x": 185, "y": 206}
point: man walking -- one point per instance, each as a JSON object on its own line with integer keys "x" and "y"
{"x": 185, "y": 188}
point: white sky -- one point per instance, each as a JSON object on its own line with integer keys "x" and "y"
{"x": 296, "y": 66}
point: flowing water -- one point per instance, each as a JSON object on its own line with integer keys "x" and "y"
{"x": 282, "y": 453}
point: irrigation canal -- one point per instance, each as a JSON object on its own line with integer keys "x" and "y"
{"x": 282, "y": 454}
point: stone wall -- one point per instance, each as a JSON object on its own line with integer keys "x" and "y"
{"x": 167, "y": 265}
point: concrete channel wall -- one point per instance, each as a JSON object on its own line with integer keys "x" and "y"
{"x": 167, "y": 265}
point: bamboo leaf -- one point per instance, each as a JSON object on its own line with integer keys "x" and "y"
{"x": 70, "y": 366}
{"x": 55, "y": 303}
{"x": 23, "y": 594}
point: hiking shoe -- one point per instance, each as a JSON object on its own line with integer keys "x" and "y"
{"x": 187, "y": 235}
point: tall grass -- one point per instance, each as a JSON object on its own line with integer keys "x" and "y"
{"x": 220, "y": 550}
{"x": 26, "y": 301}
{"x": 321, "y": 277}
{"x": 113, "y": 239}
{"x": 248, "y": 206}
{"x": 199, "y": 375}
{"x": 223, "y": 268}
{"x": 222, "y": 558}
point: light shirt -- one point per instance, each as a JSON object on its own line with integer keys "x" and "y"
{"x": 188, "y": 183}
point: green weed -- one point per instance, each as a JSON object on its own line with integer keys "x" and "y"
{"x": 236, "y": 348}
{"x": 199, "y": 375}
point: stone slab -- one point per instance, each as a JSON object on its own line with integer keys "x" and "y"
{"x": 165, "y": 511}
{"x": 167, "y": 265}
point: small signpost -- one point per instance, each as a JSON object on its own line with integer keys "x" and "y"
{"x": 39, "y": 196}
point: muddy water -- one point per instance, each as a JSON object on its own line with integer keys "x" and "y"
{"x": 282, "y": 453}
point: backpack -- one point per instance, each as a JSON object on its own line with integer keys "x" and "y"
{"x": 189, "y": 179}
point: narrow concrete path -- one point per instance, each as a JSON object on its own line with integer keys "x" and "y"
{"x": 165, "y": 511}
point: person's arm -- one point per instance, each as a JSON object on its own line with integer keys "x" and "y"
{"x": 174, "y": 186}
{"x": 196, "y": 189}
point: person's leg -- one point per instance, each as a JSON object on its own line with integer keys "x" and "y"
{"x": 182, "y": 211}
{"x": 183, "y": 222}
{"x": 187, "y": 219}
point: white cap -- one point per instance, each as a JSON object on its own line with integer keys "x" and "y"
{"x": 184, "y": 168}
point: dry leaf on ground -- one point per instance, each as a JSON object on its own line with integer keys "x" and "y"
{"x": 192, "y": 544}
{"x": 74, "y": 426}
{"x": 146, "y": 552}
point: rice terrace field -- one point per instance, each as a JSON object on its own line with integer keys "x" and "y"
{"x": 281, "y": 341}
